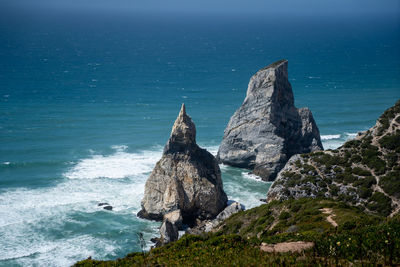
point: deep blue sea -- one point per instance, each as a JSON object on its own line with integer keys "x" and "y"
{"x": 87, "y": 104}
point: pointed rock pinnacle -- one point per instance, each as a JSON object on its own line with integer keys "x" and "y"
{"x": 183, "y": 134}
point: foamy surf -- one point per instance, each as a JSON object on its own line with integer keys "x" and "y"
{"x": 47, "y": 226}
{"x": 333, "y": 141}
{"x": 33, "y": 221}
{"x": 118, "y": 165}
{"x": 330, "y": 136}
{"x": 251, "y": 176}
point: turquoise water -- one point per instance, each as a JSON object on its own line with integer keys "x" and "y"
{"x": 87, "y": 104}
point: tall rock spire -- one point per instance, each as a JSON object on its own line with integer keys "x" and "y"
{"x": 187, "y": 178}
{"x": 183, "y": 134}
{"x": 268, "y": 129}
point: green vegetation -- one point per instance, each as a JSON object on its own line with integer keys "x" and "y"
{"x": 391, "y": 183}
{"x": 359, "y": 240}
{"x": 381, "y": 203}
{"x": 391, "y": 141}
{"x": 388, "y": 115}
{"x": 350, "y": 173}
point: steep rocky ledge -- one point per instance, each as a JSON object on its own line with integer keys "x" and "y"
{"x": 268, "y": 129}
{"x": 186, "y": 180}
{"x": 364, "y": 172}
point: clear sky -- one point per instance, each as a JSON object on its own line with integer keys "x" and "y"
{"x": 244, "y": 7}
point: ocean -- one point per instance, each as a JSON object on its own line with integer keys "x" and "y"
{"x": 87, "y": 104}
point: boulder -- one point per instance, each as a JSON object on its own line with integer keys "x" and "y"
{"x": 268, "y": 129}
{"x": 169, "y": 232}
{"x": 187, "y": 178}
{"x": 211, "y": 225}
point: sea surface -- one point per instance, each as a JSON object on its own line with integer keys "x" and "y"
{"x": 87, "y": 103}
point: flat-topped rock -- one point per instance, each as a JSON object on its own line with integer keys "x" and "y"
{"x": 268, "y": 129}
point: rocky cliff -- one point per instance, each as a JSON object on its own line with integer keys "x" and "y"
{"x": 364, "y": 172}
{"x": 268, "y": 129}
{"x": 187, "y": 178}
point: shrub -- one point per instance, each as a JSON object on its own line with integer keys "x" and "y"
{"x": 333, "y": 190}
{"x": 366, "y": 182}
{"x": 380, "y": 203}
{"x": 364, "y": 192}
{"x": 391, "y": 183}
{"x": 390, "y": 142}
{"x": 284, "y": 215}
{"x": 352, "y": 143}
{"x": 361, "y": 172}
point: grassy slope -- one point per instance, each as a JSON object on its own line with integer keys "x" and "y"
{"x": 363, "y": 172}
{"x": 359, "y": 239}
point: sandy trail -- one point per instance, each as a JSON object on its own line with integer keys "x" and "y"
{"x": 330, "y": 214}
{"x": 298, "y": 246}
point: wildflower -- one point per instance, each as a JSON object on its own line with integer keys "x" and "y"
{"x": 387, "y": 241}
{"x": 338, "y": 243}
{"x": 349, "y": 238}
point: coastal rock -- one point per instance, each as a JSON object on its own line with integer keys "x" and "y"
{"x": 169, "y": 232}
{"x": 175, "y": 217}
{"x": 268, "y": 129}
{"x": 363, "y": 172}
{"x": 169, "y": 229}
{"x": 233, "y": 208}
{"x": 210, "y": 225}
{"x": 186, "y": 178}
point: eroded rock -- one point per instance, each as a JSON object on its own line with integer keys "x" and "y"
{"x": 268, "y": 129}
{"x": 186, "y": 178}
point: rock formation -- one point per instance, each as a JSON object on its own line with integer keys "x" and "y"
{"x": 363, "y": 172}
{"x": 187, "y": 178}
{"x": 268, "y": 129}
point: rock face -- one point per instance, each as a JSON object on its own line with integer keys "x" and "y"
{"x": 364, "y": 172}
{"x": 268, "y": 129}
{"x": 212, "y": 225}
{"x": 187, "y": 178}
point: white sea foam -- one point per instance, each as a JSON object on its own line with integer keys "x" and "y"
{"x": 330, "y": 136}
{"x": 351, "y": 135}
{"x": 251, "y": 176}
{"x": 117, "y": 165}
{"x": 332, "y": 143}
{"x": 27, "y": 215}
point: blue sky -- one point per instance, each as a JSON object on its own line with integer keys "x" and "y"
{"x": 244, "y": 7}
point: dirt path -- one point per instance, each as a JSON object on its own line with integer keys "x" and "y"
{"x": 330, "y": 214}
{"x": 298, "y": 246}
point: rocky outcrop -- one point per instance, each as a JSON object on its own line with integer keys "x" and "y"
{"x": 187, "y": 178}
{"x": 169, "y": 229}
{"x": 363, "y": 172}
{"x": 212, "y": 225}
{"x": 268, "y": 129}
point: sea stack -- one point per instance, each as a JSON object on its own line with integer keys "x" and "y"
{"x": 268, "y": 129}
{"x": 186, "y": 179}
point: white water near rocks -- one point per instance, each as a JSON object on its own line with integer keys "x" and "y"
{"x": 29, "y": 216}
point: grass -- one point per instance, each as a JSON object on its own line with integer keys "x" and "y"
{"x": 360, "y": 239}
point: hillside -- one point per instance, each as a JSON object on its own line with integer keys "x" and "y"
{"x": 363, "y": 172}
{"x": 339, "y": 235}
